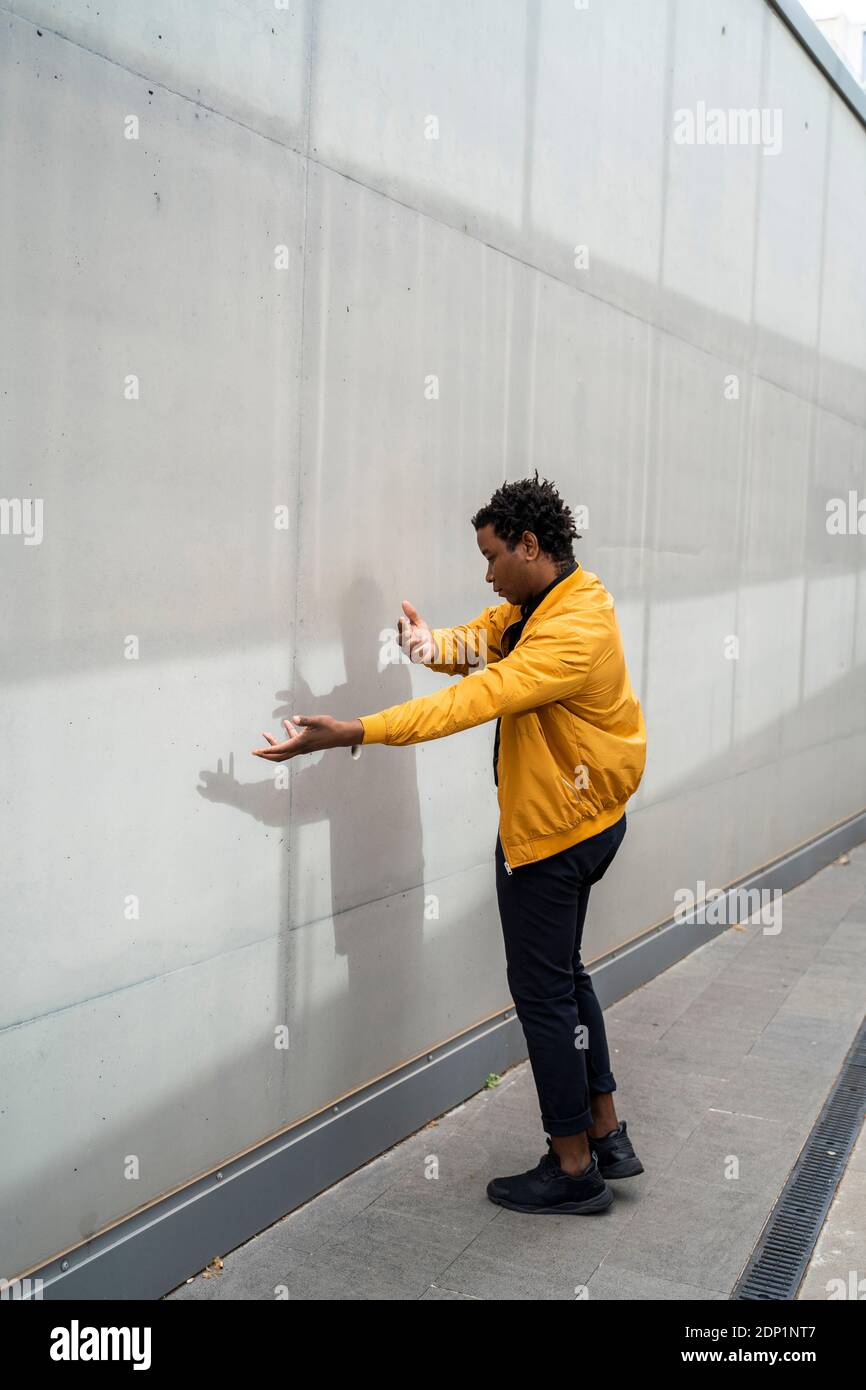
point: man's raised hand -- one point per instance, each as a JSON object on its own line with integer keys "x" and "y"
{"x": 414, "y": 635}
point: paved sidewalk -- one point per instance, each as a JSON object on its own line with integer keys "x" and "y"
{"x": 730, "y": 1052}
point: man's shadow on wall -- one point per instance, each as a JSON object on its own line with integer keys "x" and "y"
{"x": 375, "y": 864}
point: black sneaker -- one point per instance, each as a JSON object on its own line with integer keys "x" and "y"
{"x": 547, "y": 1188}
{"x": 615, "y": 1154}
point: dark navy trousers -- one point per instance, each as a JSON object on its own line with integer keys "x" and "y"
{"x": 543, "y": 909}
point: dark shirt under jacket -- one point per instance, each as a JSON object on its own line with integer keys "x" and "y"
{"x": 512, "y": 635}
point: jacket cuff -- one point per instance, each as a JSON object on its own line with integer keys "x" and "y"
{"x": 375, "y": 728}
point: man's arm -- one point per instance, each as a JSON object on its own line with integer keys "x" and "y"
{"x": 544, "y": 667}
{"x": 464, "y": 649}
{"x": 462, "y": 645}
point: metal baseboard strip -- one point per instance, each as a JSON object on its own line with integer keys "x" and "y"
{"x": 153, "y": 1251}
{"x": 776, "y": 1267}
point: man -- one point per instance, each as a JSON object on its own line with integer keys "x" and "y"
{"x": 569, "y": 751}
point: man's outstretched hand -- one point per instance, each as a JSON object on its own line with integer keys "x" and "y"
{"x": 310, "y": 734}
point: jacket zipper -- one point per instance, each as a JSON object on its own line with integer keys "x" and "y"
{"x": 507, "y": 866}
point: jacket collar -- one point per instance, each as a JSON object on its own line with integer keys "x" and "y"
{"x": 558, "y": 597}
{"x": 529, "y": 607}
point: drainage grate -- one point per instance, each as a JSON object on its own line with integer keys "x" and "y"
{"x": 778, "y": 1262}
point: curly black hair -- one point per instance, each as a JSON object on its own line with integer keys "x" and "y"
{"x": 530, "y": 505}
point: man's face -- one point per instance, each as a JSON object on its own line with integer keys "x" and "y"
{"x": 511, "y": 572}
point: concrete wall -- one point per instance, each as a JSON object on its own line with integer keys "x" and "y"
{"x": 260, "y": 904}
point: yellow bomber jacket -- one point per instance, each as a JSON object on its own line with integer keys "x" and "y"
{"x": 572, "y": 741}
